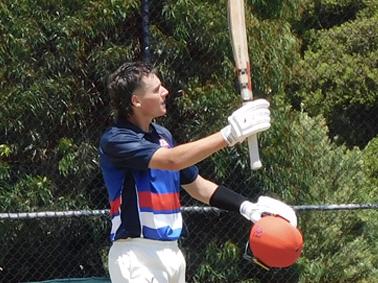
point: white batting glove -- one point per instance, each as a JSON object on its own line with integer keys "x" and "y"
{"x": 267, "y": 206}
{"x": 250, "y": 119}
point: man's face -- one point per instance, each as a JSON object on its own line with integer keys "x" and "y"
{"x": 151, "y": 97}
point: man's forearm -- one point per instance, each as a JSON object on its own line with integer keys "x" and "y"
{"x": 188, "y": 154}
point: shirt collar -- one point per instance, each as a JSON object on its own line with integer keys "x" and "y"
{"x": 124, "y": 123}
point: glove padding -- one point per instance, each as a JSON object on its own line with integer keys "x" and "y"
{"x": 250, "y": 119}
{"x": 267, "y": 206}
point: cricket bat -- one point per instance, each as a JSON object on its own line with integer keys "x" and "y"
{"x": 238, "y": 34}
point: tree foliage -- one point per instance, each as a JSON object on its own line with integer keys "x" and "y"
{"x": 339, "y": 67}
{"x": 54, "y": 60}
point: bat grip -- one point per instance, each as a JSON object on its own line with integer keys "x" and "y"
{"x": 253, "y": 146}
{"x": 254, "y": 153}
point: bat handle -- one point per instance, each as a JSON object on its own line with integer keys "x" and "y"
{"x": 254, "y": 153}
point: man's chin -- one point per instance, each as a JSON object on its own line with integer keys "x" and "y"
{"x": 163, "y": 113}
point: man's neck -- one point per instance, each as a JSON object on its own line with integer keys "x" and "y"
{"x": 143, "y": 124}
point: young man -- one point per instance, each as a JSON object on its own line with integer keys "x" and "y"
{"x": 144, "y": 170}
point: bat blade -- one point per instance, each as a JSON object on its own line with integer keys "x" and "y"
{"x": 238, "y": 34}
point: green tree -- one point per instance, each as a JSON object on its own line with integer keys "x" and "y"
{"x": 54, "y": 59}
{"x": 303, "y": 164}
{"x": 338, "y": 76}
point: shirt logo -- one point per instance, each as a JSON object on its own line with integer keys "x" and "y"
{"x": 163, "y": 143}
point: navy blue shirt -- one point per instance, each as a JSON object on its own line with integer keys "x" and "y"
{"x": 144, "y": 202}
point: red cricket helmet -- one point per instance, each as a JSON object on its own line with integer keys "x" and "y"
{"x": 274, "y": 242}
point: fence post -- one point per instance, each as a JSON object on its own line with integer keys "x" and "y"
{"x": 146, "y": 31}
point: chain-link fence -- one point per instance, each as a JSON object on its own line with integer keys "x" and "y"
{"x": 74, "y": 245}
{"x": 55, "y": 56}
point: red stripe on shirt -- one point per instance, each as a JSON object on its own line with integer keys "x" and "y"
{"x": 170, "y": 201}
{"x": 114, "y": 206}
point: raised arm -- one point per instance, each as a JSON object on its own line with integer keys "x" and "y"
{"x": 252, "y": 118}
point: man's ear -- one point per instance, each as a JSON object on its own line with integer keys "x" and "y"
{"x": 135, "y": 101}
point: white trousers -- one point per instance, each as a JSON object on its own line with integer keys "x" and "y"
{"x": 138, "y": 260}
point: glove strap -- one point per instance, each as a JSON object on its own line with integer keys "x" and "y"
{"x": 227, "y": 135}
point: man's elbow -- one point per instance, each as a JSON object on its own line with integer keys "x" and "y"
{"x": 175, "y": 164}
{"x": 167, "y": 164}
{"x": 164, "y": 159}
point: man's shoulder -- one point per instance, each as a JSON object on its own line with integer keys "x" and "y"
{"x": 115, "y": 133}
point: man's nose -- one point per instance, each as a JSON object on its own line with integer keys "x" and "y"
{"x": 164, "y": 92}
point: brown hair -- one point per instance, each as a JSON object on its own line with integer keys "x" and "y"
{"x": 122, "y": 83}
